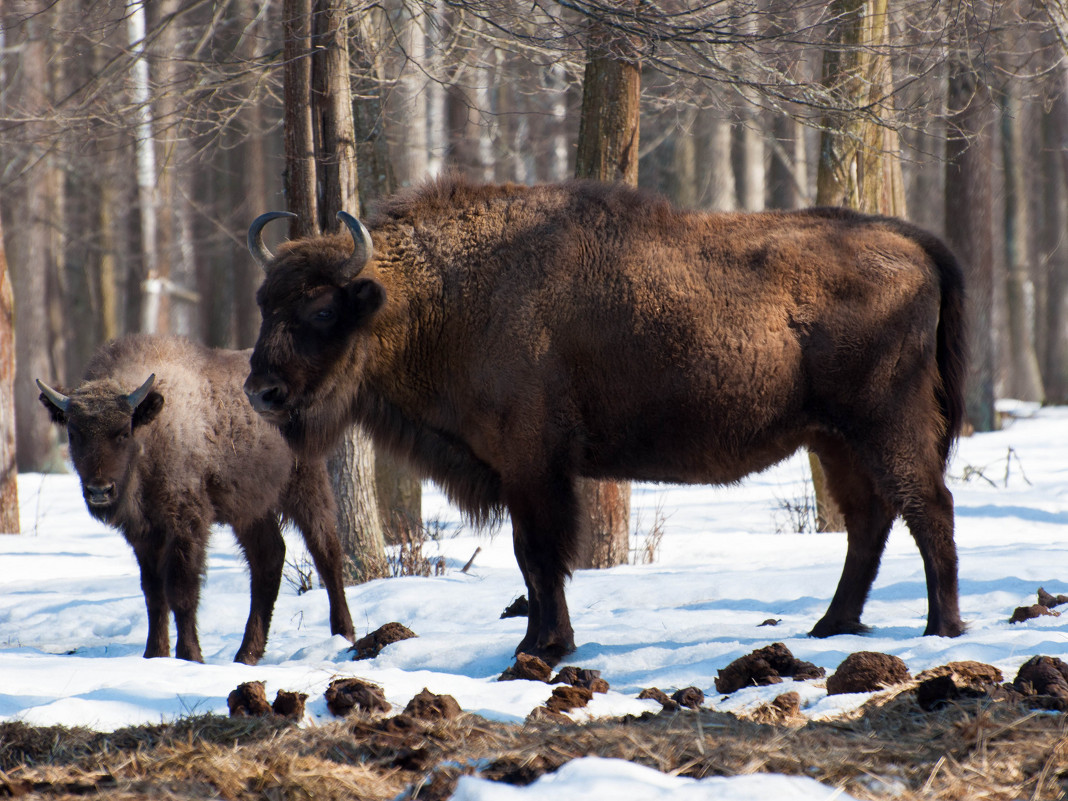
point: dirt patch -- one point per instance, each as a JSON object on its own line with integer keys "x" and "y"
{"x": 429, "y": 706}
{"x": 785, "y": 708}
{"x": 371, "y": 646}
{"x": 890, "y": 749}
{"x": 527, "y": 667}
{"x": 581, "y": 677}
{"x": 957, "y": 680}
{"x": 1043, "y": 679}
{"x": 867, "y": 671}
{"x": 347, "y": 695}
{"x": 567, "y": 698}
{"x": 768, "y": 665}
{"x": 1022, "y": 613}
{"x": 248, "y": 700}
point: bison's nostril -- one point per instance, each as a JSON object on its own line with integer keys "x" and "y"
{"x": 265, "y": 399}
{"x": 100, "y": 493}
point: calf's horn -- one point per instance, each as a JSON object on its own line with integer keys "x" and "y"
{"x": 139, "y": 394}
{"x": 362, "y": 248}
{"x": 256, "y": 247}
{"x": 58, "y": 399}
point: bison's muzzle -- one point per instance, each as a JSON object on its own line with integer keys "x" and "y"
{"x": 100, "y": 494}
{"x": 266, "y": 395}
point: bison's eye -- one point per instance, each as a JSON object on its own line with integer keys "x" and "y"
{"x": 324, "y": 316}
{"x": 121, "y": 435}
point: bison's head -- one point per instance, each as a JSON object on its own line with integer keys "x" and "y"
{"x": 317, "y": 313}
{"x": 103, "y": 422}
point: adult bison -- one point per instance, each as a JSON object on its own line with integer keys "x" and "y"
{"x": 162, "y": 459}
{"x": 509, "y": 339}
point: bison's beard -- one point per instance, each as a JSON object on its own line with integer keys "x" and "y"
{"x": 315, "y": 431}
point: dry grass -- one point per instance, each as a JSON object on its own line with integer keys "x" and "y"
{"x": 892, "y": 749}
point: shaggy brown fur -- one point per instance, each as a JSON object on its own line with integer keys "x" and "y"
{"x": 508, "y": 339}
{"x": 193, "y": 453}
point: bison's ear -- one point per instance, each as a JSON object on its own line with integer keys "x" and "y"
{"x": 148, "y": 409}
{"x": 365, "y": 296}
{"x": 56, "y": 412}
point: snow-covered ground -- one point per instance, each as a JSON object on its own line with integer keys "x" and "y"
{"x": 72, "y": 619}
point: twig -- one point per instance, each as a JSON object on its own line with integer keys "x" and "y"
{"x": 471, "y": 561}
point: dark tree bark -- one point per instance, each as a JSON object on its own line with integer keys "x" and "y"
{"x": 608, "y": 151}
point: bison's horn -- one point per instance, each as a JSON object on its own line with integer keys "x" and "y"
{"x": 256, "y": 247}
{"x": 362, "y": 249}
{"x": 57, "y": 399}
{"x": 139, "y": 394}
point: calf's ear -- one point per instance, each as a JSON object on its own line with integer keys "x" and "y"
{"x": 148, "y": 409}
{"x": 365, "y": 296}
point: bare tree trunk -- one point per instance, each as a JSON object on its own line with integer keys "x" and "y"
{"x": 608, "y": 151}
{"x": 1025, "y": 375}
{"x": 714, "y": 141}
{"x": 412, "y": 163}
{"x": 26, "y": 203}
{"x": 9, "y": 487}
{"x": 399, "y": 490}
{"x": 1055, "y": 190}
{"x": 859, "y": 165}
{"x": 299, "y": 136}
{"x": 969, "y": 225}
{"x": 352, "y": 466}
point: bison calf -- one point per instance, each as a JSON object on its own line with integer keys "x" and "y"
{"x": 183, "y": 450}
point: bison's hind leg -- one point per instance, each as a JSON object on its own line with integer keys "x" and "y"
{"x": 545, "y": 537}
{"x": 265, "y": 551}
{"x": 868, "y": 519}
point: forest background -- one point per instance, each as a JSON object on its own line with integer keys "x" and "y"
{"x": 138, "y": 140}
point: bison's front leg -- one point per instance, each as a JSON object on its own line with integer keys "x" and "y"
{"x": 265, "y": 551}
{"x": 544, "y": 535}
{"x": 183, "y": 565}
{"x": 148, "y": 559}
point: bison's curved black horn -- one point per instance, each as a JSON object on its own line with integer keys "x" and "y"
{"x": 362, "y": 249}
{"x": 256, "y": 247}
{"x": 58, "y": 399}
{"x": 139, "y": 394}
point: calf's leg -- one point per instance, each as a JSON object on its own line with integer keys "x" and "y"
{"x": 265, "y": 552}
{"x": 183, "y": 565}
{"x": 309, "y": 502}
{"x": 148, "y": 554}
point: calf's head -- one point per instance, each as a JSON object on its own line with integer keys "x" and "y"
{"x": 103, "y": 423}
{"x": 317, "y": 313}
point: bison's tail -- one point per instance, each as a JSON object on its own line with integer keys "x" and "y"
{"x": 952, "y": 345}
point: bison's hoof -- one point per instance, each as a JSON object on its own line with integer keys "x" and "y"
{"x": 954, "y": 629}
{"x": 829, "y": 628}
